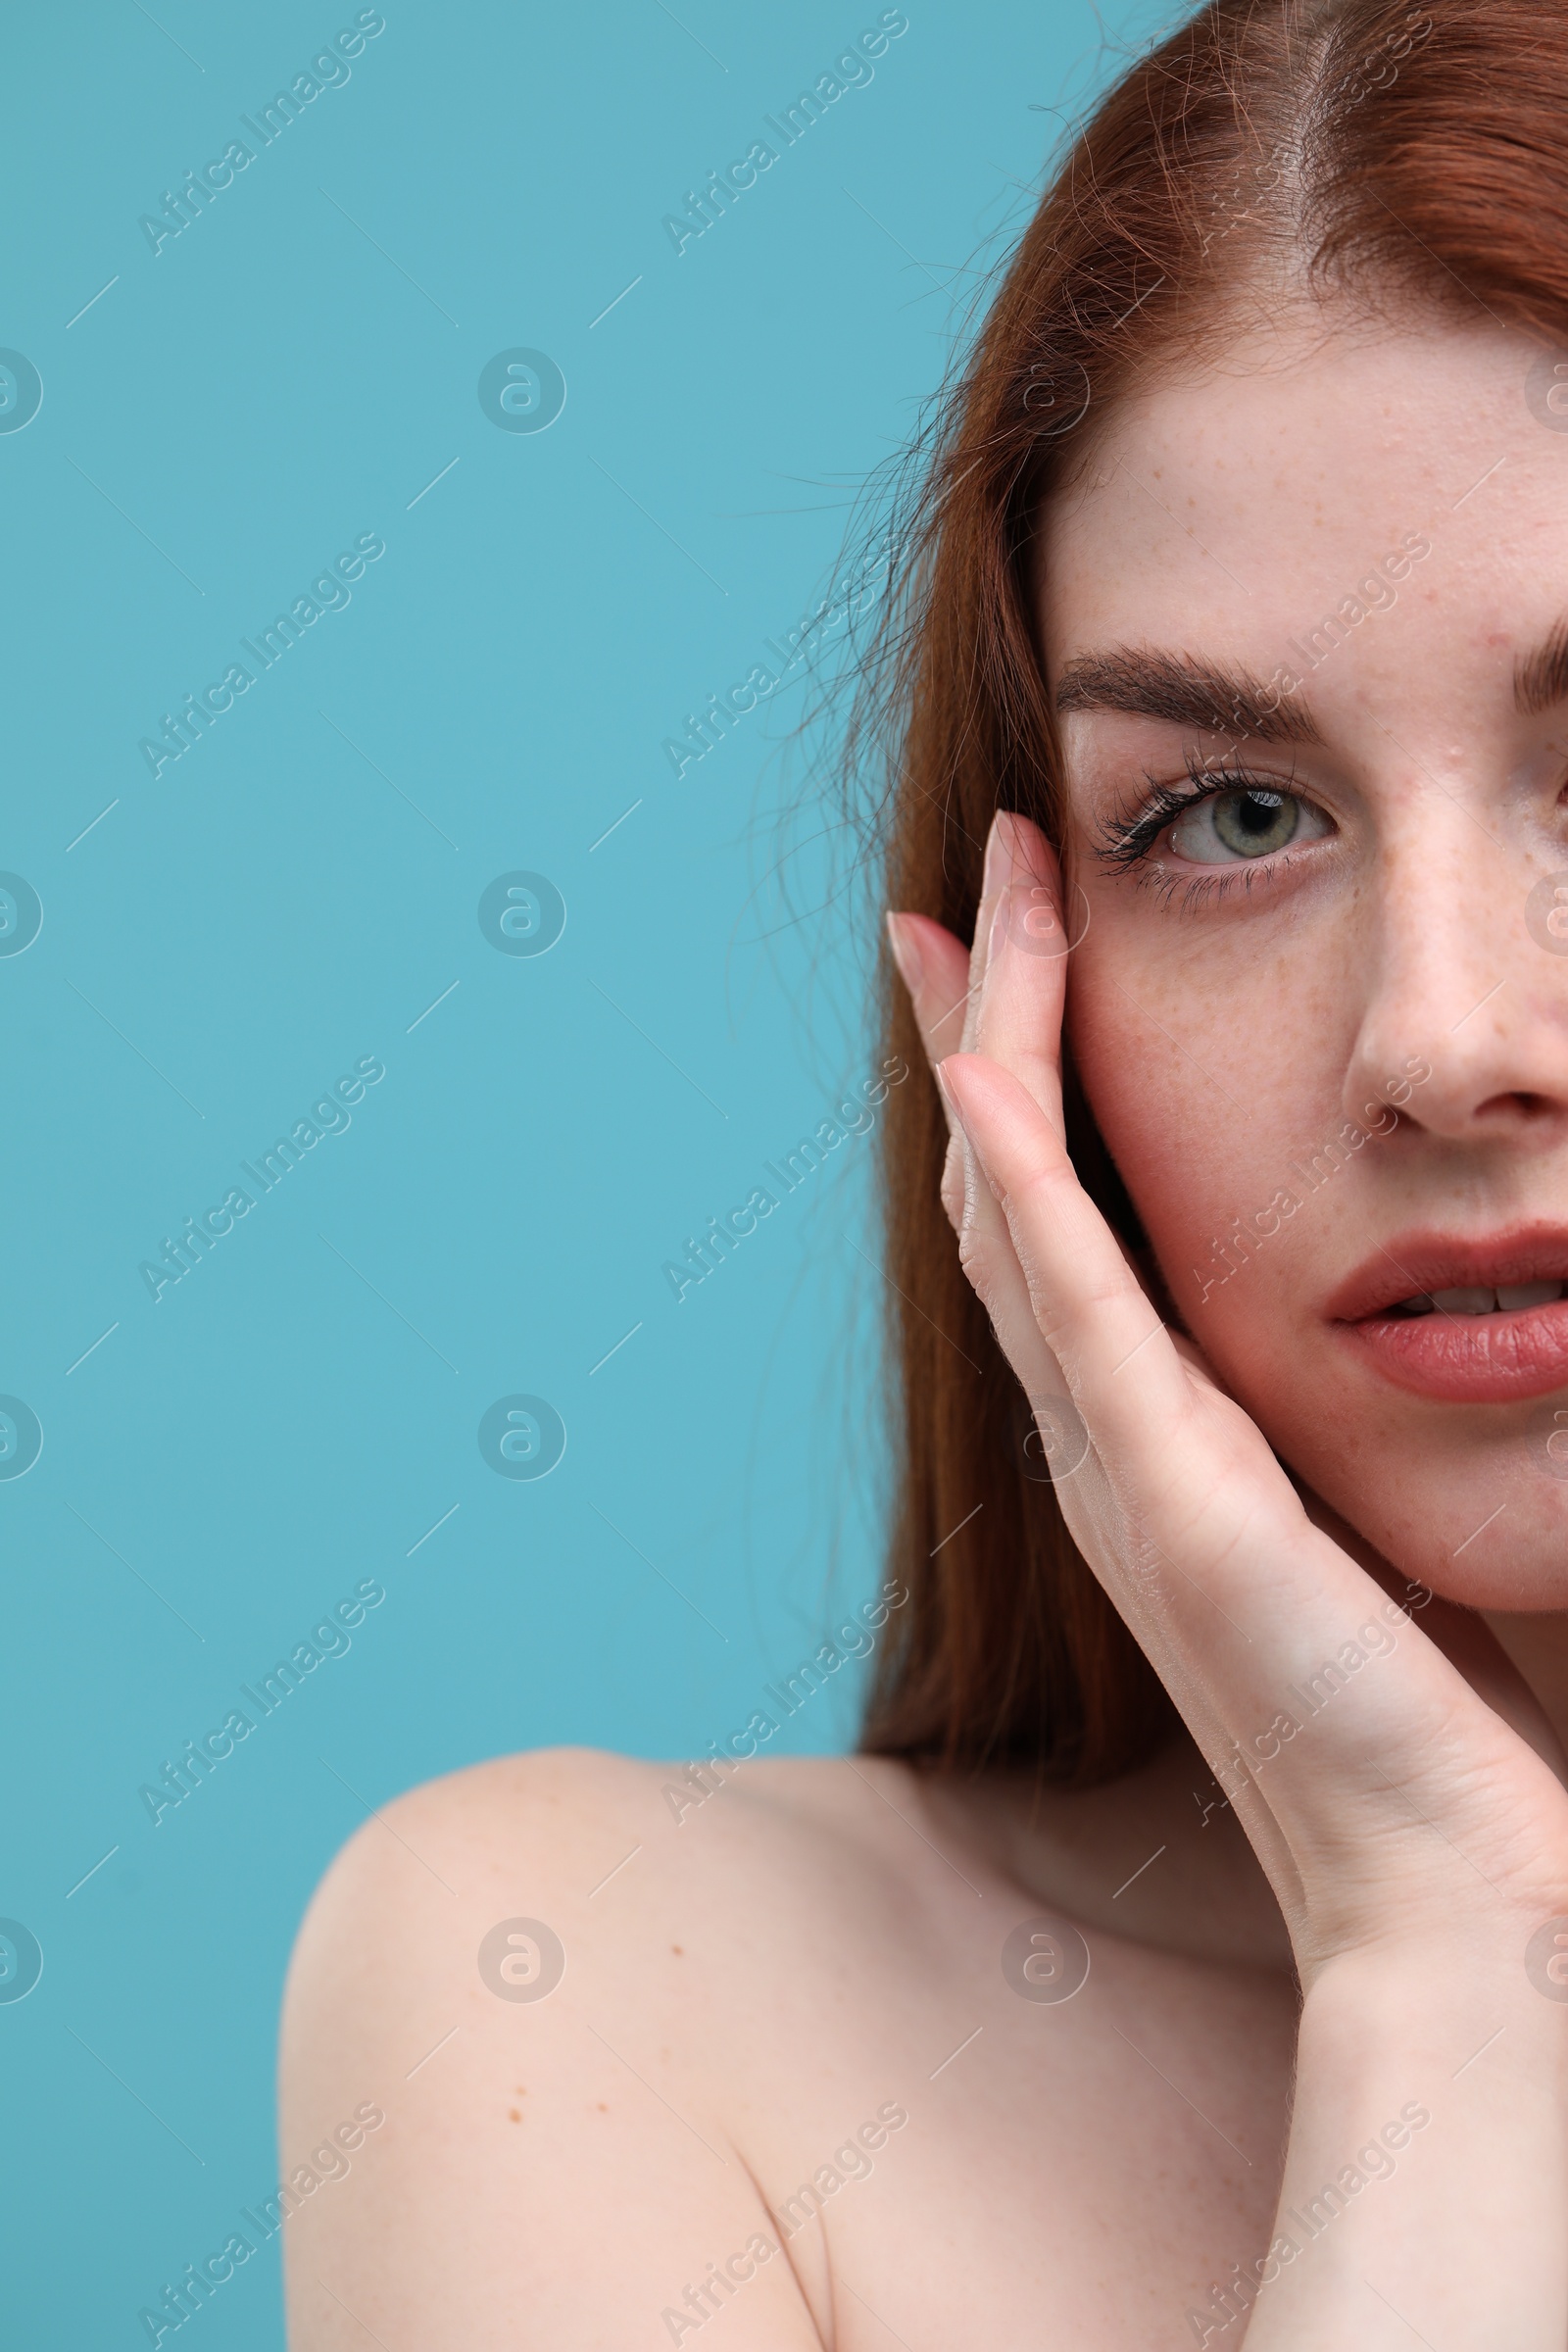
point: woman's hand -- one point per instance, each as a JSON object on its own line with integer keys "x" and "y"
{"x": 1404, "y": 1803}
{"x": 1417, "y": 1843}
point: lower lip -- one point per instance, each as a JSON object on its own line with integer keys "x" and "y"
{"x": 1469, "y": 1359}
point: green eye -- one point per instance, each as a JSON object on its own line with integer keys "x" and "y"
{"x": 1250, "y": 823}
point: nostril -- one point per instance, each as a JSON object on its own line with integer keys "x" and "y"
{"x": 1518, "y": 1108}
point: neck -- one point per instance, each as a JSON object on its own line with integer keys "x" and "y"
{"x": 1158, "y": 1855}
{"x": 1155, "y": 1855}
{"x": 1516, "y": 1661}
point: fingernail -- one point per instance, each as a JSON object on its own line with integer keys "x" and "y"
{"x": 905, "y": 945}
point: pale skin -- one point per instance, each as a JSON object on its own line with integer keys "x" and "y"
{"x": 1276, "y": 1981}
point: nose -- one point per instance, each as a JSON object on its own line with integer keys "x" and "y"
{"x": 1467, "y": 1002}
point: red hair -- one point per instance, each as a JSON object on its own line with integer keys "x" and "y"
{"x": 1410, "y": 157}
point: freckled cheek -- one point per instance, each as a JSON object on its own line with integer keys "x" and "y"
{"x": 1203, "y": 1091}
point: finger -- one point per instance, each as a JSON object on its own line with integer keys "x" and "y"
{"x": 935, "y": 968}
{"x": 1090, "y": 1308}
{"x": 944, "y": 978}
{"x": 1202, "y": 1542}
{"x": 1024, "y": 984}
{"x": 994, "y": 877}
{"x": 1155, "y": 1511}
{"x": 1024, "y": 989}
{"x": 936, "y": 958}
{"x": 1187, "y": 1477}
{"x": 1181, "y": 1481}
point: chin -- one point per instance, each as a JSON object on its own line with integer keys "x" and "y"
{"x": 1469, "y": 1500}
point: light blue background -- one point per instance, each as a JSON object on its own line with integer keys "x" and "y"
{"x": 228, "y": 938}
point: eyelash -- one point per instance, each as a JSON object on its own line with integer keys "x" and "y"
{"x": 1127, "y": 840}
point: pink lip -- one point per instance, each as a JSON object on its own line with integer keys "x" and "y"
{"x": 1465, "y": 1360}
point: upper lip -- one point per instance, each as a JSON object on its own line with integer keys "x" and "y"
{"x": 1409, "y": 1264}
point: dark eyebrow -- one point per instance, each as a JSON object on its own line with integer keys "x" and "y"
{"x": 1541, "y": 678}
{"x": 1225, "y": 701}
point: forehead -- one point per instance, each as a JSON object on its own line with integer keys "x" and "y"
{"x": 1222, "y": 514}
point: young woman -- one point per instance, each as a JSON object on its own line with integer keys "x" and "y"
{"x": 1185, "y": 1958}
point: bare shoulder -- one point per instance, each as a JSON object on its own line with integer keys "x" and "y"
{"x": 588, "y": 2050}
{"x": 557, "y": 1828}
{"x": 670, "y": 1892}
{"x": 542, "y": 1973}
{"x": 535, "y": 1810}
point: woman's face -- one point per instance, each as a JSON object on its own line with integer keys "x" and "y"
{"x": 1321, "y": 1014}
